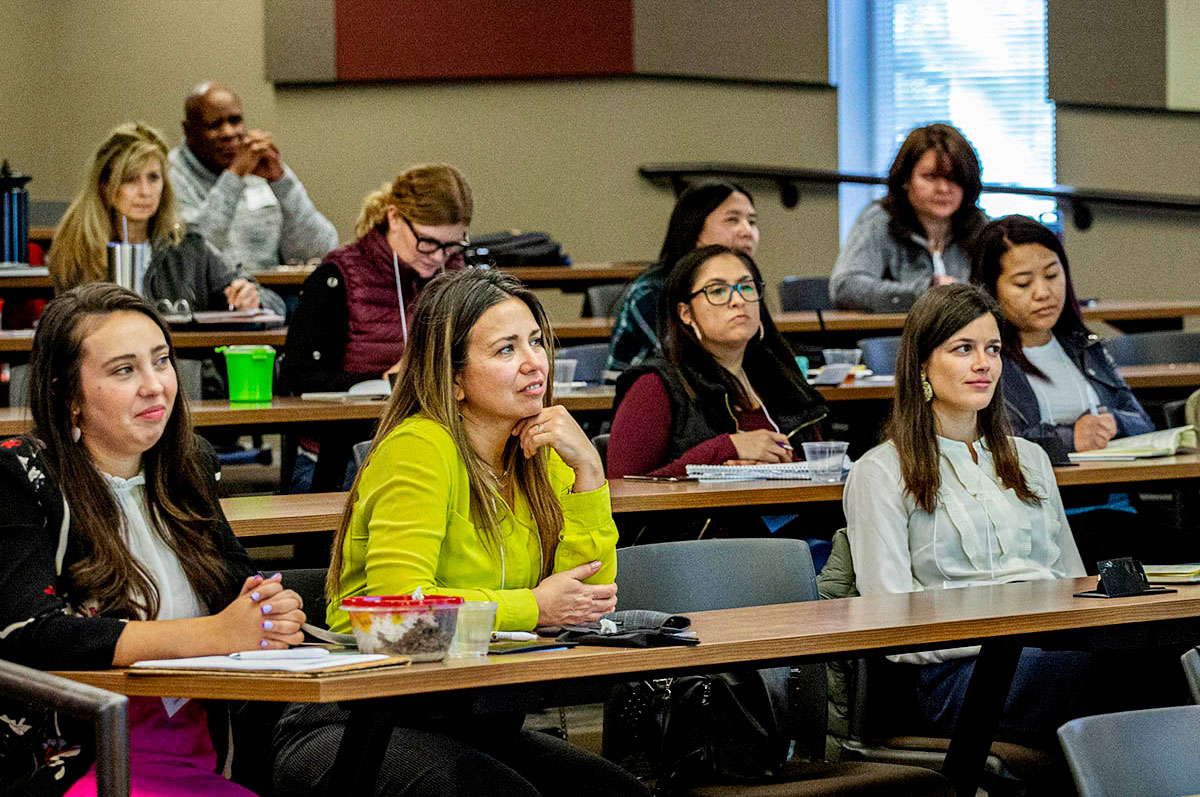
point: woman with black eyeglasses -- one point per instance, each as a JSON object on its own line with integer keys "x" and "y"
{"x": 355, "y": 310}
{"x": 727, "y": 391}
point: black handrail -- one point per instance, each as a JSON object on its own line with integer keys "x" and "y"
{"x": 107, "y": 711}
{"x": 788, "y": 180}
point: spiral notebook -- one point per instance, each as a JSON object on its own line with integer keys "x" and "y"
{"x": 745, "y": 473}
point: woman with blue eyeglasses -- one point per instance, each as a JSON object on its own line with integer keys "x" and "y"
{"x": 353, "y": 318}
{"x": 727, "y": 390}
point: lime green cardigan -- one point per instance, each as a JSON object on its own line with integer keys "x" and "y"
{"x": 411, "y": 527}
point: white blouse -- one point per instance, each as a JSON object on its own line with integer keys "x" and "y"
{"x": 979, "y": 533}
{"x": 1067, "y": 394}
{"x": 176, "y": 598}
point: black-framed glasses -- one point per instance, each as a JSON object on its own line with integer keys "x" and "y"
{"x": 429, "y": 246}
{"x": 720, "y": 293}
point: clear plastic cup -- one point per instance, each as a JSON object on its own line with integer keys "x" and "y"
{"x": 825, "y": 459}
{"x": 474, "y": 634}
{"x": 847, "y": 356}
{"x": 564, "y": 371}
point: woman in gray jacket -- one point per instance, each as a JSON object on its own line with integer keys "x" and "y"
{"x": 916, "y": 236}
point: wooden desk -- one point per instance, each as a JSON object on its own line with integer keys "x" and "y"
{"x": 574, "y": 277}
{"x": 22, "y": 339}
{"x": 1001, "y": 617}
{"x": 260, "y": 515}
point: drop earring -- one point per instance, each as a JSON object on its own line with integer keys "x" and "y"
{"x": 76, "y": 434}
{"x": 926, "y": 388}
{"x": 696, "y": 329}
{"x": 760, "y": 333}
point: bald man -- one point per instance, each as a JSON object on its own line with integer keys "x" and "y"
{"x": 234, "y": 188}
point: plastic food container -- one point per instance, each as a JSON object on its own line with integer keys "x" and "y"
{"x": 400, "y": 625}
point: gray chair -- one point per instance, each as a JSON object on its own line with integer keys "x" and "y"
{"x": 804, "y": 293}
{"x": 1191, "y": 668}
{"x": 1150, "y": 753}
{"x": 359, "y": 454}
{"x": 879, "y": 354}
{"x": 704, "y": 575}
{"x": 590, "y": 359}
{"x": 108, "y": 713}
{"x": 600, "y": 441}
{"x": 1155, "y": 348}
{"x": 309, "y": 584}
{"x": 602, "y": 301}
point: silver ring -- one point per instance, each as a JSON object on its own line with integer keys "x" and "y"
{"x": 539, "y": 431}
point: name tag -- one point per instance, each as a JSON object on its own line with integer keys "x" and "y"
{"x": 258, "y": 196}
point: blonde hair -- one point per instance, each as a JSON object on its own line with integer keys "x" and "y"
{"x": 436, "y": 353}
{"x": 77, "y": 254}
{"x": 432, "y": 193}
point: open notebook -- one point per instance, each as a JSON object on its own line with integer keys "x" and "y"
{"x": 1163, "y": 443}
{"x": 1173, "y": 574}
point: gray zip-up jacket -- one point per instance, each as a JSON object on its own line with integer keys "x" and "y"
{"x": 880, "y": 274}
{"x": 253, "y": 222}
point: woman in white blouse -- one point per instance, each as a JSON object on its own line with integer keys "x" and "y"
{"x": 952, "y": 500}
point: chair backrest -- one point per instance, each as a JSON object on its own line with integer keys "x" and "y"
{"x": 1155, "y": 348}
{"x": 108, "y": 712}
{"x": 804, "y": 293}
{"x": 589, "y": 358}
{"x": 701, "y": 575}
{"x": 1149, "y": 753}
{"x": 1191, "y": 668}
{"x": 879, "y": 354}
{"x": 600, "y": 441}
{"x": 602, "y": 301}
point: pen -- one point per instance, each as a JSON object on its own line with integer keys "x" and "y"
{"x": 513, "y": 636}
{"x": 237, "y": 275}
{"x": 289, "y": 653}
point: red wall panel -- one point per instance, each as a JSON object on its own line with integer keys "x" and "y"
{"x": 450, "y": 39}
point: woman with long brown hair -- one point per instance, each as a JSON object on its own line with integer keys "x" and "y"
{"x": 919, "y": 234}
{"x": 951, "y": 499}
{"x": 478, "y": 487}
{"x": 116, "y": 549}
{"x": 356, "y": 309}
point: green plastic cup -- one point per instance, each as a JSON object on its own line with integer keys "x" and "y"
{"x": 251, "y": 372}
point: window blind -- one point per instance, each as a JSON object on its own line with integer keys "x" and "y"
{"x": 979, "y": 65}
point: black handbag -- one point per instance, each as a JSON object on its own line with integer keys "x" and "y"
{"x": 698, "y": 728}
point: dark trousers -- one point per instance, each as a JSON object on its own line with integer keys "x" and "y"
{"x": 449, "y": 757}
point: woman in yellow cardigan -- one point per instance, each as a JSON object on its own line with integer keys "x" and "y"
{"x": 474, "y": 487}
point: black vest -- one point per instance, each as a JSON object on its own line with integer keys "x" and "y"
{"x": 701, "y": 407}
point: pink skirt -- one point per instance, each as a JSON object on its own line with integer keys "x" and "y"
{"x": 168, "y": 756}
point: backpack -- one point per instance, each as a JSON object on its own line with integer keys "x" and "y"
{"x": 518, "y": 249}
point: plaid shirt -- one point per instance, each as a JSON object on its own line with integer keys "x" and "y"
{"x": 635, "y": 332}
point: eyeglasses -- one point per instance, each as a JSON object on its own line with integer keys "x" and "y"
{"x": 429, "y": 246}
{"x": 721, "y": 294}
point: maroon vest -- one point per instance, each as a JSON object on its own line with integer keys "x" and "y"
{"x": 375, "y": 341}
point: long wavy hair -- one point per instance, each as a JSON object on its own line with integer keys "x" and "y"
{"x": 178, "y": 494}
{"x": 78, "y": 252}
{"x": 768, "y": 353}
{"x": 933, "y": 319}
{"x": 433, "y": 194}
{"x": 957, "y": 162}
{"x": 447, "y": 311}
{"x": 993, "y": 242}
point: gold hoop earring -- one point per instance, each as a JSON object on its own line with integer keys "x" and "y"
{"x": 926, "y": 388}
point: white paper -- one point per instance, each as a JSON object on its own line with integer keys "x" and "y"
{"x": 260, "y": 665}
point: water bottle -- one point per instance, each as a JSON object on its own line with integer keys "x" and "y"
{"x": 14, "y": 220}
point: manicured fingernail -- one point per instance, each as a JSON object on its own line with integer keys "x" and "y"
{"x": 267, "y": 624}
{"x": 263, "y": 644}
{"x": 253, "y": 596}
{"x": 277, "y": 575}
{"x": 266, "y": 609}
{"x": 257, "y": 577}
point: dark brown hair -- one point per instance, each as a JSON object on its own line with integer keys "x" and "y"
{"x": 957, "y": 162}
{"x": 992, "y": 243}
{"x": 447, "y": 310}
{"x": 681, "y": 345}
{"x": 933, "y": 319}
{"x": 178, "y": 495}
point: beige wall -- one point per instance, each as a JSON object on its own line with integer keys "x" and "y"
{"x": 1128, "y": 253}
{"x": 559, "y": 156}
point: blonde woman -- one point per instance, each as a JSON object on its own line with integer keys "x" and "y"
{"x": 128, "y": 197}
{"x": 476, "y": 486}
{"x": 355, "y": 310}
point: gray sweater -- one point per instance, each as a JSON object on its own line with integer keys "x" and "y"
{"x": 249, "y": 220}
{"x": 879, "y": 274}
